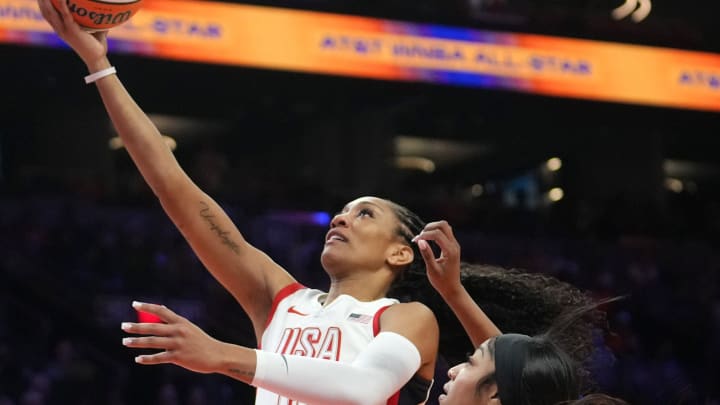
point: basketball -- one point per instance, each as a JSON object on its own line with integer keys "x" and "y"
{"x": 96, "y": 15}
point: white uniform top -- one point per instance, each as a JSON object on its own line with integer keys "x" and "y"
{"x": 300, "y": 325}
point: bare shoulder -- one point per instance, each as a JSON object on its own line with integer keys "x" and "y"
{"x": 414, "y": 311}
{"x": 409, "y": 319}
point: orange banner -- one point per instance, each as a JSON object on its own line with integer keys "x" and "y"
{"x": 263, "y": 37}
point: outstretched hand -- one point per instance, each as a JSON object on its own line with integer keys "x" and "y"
{"x": 444, "y": 271}
{"x": 183, "y": 342}
{"x": 92, "y": 48}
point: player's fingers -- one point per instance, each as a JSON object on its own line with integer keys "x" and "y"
{"x": 161, "y": 311}
{"x": 66, "y": 15}
{"x": 158, "y": 329}
{"x": 450, "y": 248}
{"x": 443, "y": 226}
{"x": 428, "y": 255}
{"x": 158, "y": 358}
{"x": 50, "y": 14}
{"x": 149, "y": 342}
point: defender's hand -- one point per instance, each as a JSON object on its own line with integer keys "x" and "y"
{"x": 444, "y": 271}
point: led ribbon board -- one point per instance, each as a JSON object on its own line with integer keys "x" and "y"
{"x": 274, "y": 38}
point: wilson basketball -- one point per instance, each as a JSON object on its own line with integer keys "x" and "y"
{"x": 96, "y": 15}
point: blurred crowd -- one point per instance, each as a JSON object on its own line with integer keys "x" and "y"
{"x": 72, "y": 266}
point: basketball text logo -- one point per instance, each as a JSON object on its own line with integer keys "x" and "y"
{"x": 99, "y": 18}
{"x": 311, "y": 342}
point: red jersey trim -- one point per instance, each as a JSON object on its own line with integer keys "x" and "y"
{"x": 281, "y": 295}
{"x": 376, "y": 320}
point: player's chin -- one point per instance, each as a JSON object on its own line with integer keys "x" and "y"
{"x": 331, "y": 258}
{"x": 442, "y": 398}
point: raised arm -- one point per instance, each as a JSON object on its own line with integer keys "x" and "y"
{"x": 247, "y": 273}
{"x": 444, "y": 275}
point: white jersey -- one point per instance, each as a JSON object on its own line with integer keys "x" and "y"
{"x": 300, "y": 325}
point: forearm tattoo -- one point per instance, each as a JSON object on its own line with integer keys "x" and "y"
{"x": 241, "y": 373}
{"x": 223, "y": 235}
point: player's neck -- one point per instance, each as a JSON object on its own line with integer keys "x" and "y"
{"x": 363, "y": 288}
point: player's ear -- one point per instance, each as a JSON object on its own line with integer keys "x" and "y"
{"x": 400, "y": 255}
{"x": 492, "y": 393}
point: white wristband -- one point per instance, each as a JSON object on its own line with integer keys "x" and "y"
{"x": 91, "y": 78}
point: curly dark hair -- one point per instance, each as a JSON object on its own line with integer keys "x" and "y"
{"x": 517, "y": 302}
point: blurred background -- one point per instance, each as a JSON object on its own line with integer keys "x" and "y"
{"x": 613, "y": 198}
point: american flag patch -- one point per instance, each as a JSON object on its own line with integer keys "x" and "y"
{"x": 362, "y": 318}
